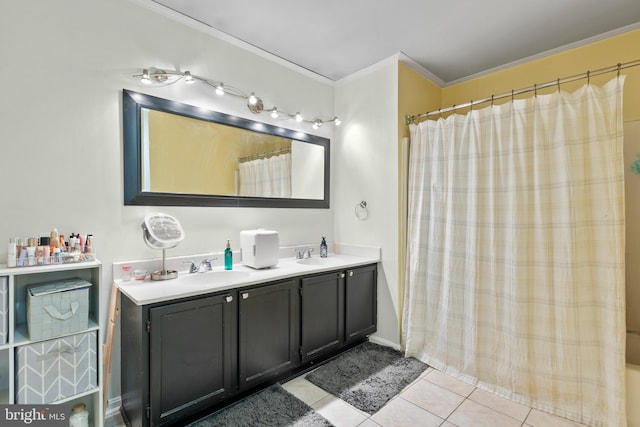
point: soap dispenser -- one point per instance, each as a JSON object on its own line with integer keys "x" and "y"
{"x": 228, "y": 257}
{"x": 323, "y": 248}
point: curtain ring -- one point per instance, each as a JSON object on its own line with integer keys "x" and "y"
{"x": 512, "y": 94}
{"x": 492, "y": 100}
{"x": 619, "y": 65}
{"x": 588, "y": 78}
{"x": 558, "y": 85}
{"x": 535, "y": 90}
{"x": 440, "y": 112}
{"x": 471, "y": 105}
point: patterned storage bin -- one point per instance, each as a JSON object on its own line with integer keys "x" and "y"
{"x": 4, "y": 310}
{"x": 56, "y": 369}
{"x": 57, "y": 308}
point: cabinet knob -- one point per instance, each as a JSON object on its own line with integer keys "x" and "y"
{"x": 228, "y": 298}
{"x": 342, "y": 275}
{"x": 350, "y": 273}
{"x": 245, "y": 295}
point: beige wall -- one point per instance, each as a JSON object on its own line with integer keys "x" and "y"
{"x": 199, "y": 157}
{"x": 605, "y": 53}
{"x": 415, "y": 93}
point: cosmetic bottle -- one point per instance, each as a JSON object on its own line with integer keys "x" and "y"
{"x": 54, "y": 239}
{"x": 323, "y": 248}
{"x": 44, "y": 249}
{"x": 79, "y": 416}
{"x": 39, "y": 255}
{"x": 12, "y": 255}
{"x": 126, "y": 273}
{"x": 21, "y": 248}
{"x": 228, "y": 257}
{"x": 88, "y": 248}
{"x": 31, "y": 255}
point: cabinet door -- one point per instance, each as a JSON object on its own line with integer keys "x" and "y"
{"x": 192, "y": 356}
{"x": 268, "y": 331}
{"x": 360, "y": 302}
{"x": 322, "y": 314}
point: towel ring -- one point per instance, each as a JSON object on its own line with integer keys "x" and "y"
{"x": 361, "y": 210}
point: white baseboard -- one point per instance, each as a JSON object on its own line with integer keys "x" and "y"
{"x": 113, "y": 407}
{"x": 382, "y": 341}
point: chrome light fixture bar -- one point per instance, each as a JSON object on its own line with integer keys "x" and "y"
{"x": 159, "y": 77}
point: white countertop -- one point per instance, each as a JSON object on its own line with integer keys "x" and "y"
{"x": 143, "y": 292}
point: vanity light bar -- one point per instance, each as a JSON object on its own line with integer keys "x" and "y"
{"x": 159, "y": 77}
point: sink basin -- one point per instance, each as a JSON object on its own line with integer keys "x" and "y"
{"x": 317, "y": 261}
{"x": 212, "y": 277}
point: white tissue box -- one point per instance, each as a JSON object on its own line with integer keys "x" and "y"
{"x": 259, "y": 248}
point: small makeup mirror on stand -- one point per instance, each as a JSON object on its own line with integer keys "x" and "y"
{"x": 161, "y": 231}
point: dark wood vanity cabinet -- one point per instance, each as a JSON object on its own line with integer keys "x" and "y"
{"x": 360, "y": 303}
{"x": 337, "y": 309}
{"x": 182, "y": 356}
{"x": 321, "y": 314}
{"x": 268, "y": 331}
{"x": 177, "y": 358}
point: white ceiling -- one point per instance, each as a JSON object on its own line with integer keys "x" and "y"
{"x": 450, "y": 39}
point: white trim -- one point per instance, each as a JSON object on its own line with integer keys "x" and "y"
{"x": 200, "y": 26}
{"x": 402, "y": 57}
{"x": 376, "y": 339}
{"x": 391, "y": 60}
{"x": 113, "y": 407}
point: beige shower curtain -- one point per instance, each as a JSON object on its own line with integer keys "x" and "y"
{"x": 268, "y": 177}
{"x": 515, "y": 255}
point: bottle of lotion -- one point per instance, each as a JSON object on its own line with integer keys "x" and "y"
{"x": 228, "y": 257}
{"x": 323, "y": 248}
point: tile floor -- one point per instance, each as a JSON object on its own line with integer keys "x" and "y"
{"x": 433, "y": 400}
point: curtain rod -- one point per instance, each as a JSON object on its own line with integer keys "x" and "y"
{"x": 586, "y": 75}
{"x": 265, "y": 154}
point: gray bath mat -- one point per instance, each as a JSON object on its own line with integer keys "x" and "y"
{"x": 367, "y": 376}
{"x": 273, "y": 406}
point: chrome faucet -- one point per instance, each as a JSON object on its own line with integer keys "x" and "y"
{"x": 303, "y": 253}
{"x": 192, "y": 266}
{"x": 205, "y": 265}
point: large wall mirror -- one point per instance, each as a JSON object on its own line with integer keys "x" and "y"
{"x": 177, "y": 154}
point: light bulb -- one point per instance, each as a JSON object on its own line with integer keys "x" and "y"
{"x": 298, "y": 117}
{"x": 145, "y": 77}
{"x": 253, "y": 99}
{"x": 337, "y": 121}
{"x": 220, "y": 89}
{"x": 317, "y": 123}
{"x": 274, "y": 112}
{"x": 188, "y": 78}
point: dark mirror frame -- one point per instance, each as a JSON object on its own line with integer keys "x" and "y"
{"x": 133, "y": 102}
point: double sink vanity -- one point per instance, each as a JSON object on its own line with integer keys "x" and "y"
{"x": 202, "y": 339}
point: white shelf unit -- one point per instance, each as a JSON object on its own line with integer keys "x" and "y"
{"x": 21, "y": 278}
